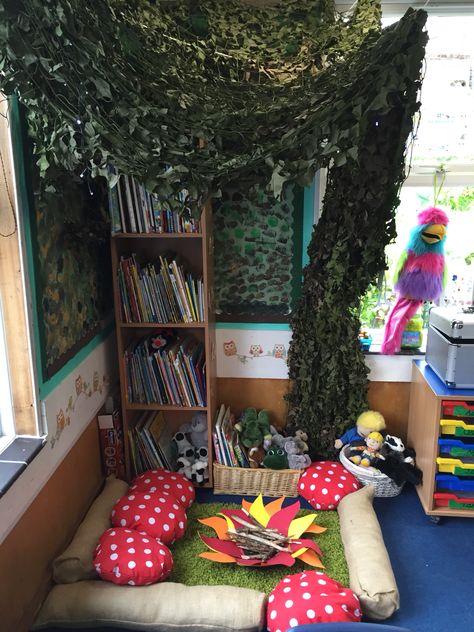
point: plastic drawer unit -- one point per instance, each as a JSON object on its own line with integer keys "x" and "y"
{"x": 455, "y": 466}
{"x": 456, "y": 448}
{"x": 457, "y": 427}
{"x": 454, "y": 501}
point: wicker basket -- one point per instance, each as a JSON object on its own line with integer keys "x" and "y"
{"x": 384, "y": 486}
{"x": 247, "y": 481}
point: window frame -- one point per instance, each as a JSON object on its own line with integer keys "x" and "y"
{"x": 25, "y": 419}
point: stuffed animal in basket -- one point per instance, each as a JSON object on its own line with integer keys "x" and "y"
{"x": 253, "y": 428}
{"x": 255, "y": 456}
{"x": 398, "y": 462}
{"x": 420, "y": 275}
{"x": 367, "y": 422}
{"x": 276, "y": 459}
{"x": 370, "y": 454}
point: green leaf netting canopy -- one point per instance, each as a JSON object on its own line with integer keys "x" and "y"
{"x": 195, "y": 94}
{"x": 213, "y": 89}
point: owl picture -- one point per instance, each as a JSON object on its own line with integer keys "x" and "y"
{"x": 279, "y": 351}
{"x": 256, "y": 350}
{"x": 230, "y": 348}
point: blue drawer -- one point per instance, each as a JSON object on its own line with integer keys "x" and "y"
{"x": 456, "y": 447}
{"x": 448, "y": 481}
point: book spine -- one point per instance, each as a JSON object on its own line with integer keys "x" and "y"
{"x": 129, "y": 205}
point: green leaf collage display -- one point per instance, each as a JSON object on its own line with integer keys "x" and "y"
{"x": 226, "y": 91}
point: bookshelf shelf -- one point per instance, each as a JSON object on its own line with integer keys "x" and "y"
{"x": 198, "y": 325}
{"x": 157, "y": 236}
{"x": 193, "y": 252}
{"x": 164, "y": 408}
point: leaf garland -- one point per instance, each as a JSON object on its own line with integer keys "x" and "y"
{"x": 196, "y": 93}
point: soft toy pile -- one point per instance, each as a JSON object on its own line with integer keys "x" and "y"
{"x": 191, "y": 448}
{"x": 266, "y": 447}
{"x": 366, "y": 446}
{"x": 144, "y": 523}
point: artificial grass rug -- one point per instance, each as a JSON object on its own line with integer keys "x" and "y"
{"x": 192, "y": 570}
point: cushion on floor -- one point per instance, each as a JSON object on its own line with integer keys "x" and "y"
{"x": 310, "y": 597}
{"x": 167, "y": 481}
{"x": 324, "y": 483}
{"x": 75, "y": 563}
{"x": 124, "y": 556}
{"x": 165, "y": 607}
{"x": 370, "y": 572}
{"x": 159, "y": 514}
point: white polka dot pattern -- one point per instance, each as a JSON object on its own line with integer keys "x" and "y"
{"x": 324, "y": 483}
{"x": 146, "y": 562}
{"x": 164, "y": 480}
{"x": 315, "y": 598}
{"x": 151, "y": 513}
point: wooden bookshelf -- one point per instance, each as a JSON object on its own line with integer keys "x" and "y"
{"x": 196, "y": 250}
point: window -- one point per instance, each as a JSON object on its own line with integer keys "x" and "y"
{"x": 17, "y": 399}
{"x": 442, "y": 170}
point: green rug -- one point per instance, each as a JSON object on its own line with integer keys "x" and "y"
{"x": 192, "y": 570}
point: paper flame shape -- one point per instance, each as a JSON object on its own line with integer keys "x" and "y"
{"x": 270, "y": 516}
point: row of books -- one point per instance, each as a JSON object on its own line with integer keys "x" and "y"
{"x": 160, "y": 292}
{"x": 227, "y": 448}
{"x": 134, "y": 210}
{"x": 162, "y": 369}
{"x": 150, "y": 443}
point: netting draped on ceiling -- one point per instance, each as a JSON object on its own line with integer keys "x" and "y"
{"x": 272, "y": 92}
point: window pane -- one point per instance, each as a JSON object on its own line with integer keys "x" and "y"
{"x": 446, "y": 132}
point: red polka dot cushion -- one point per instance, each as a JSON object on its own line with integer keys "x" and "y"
{"x": 124, "y": 556}
{"x": 310, "y": 597}
{"x": 165, "y": 480}
{"x": 324, "y": 483}
{"x": 158, "y": 514}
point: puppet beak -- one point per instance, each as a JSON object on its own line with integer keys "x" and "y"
{"x": 434, "y": 233}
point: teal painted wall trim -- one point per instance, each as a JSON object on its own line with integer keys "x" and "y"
{"x": 308, "y": 218}
{"x": 47, "y": 387}
{"x": 251, "y": 326}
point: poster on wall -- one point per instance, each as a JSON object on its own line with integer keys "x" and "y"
{"x": 71, "y": 256}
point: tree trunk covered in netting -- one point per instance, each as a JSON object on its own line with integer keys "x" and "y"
{"x": 346, "y": 252}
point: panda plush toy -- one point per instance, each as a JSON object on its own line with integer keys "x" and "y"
{"x": 398, "y": 462}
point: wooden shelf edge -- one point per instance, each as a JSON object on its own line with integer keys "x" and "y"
{"x": 157, "y": 236}
{"x": 163, "y": 407}
{"x": 196, "y": 325}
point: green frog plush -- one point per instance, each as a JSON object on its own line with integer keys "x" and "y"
{"x": 276, "y": 459}
{"x": 254, "y": 428}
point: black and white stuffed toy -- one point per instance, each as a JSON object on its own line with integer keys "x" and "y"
{"x": 398, "y": 462}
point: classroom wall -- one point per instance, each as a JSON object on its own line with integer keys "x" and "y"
{"x": 44, "y": 530}
{"x": 42, "y": 509}
{"x": 252, "y": 371}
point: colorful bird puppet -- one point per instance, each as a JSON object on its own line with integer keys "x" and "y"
{"x": 420, "y": 274}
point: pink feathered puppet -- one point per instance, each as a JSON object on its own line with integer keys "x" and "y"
{"x": 420, "y": 275}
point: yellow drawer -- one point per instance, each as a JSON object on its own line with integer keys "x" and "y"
{"x": 456, "y": 427}
{"x": 455, "y": 466}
